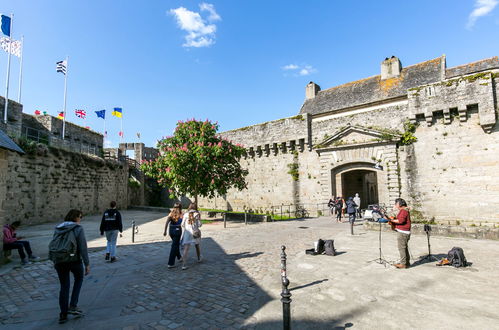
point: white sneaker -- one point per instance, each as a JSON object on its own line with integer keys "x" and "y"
{"x": 171, "y": 266}
{"x": 184, "y": 267}
{"x": 200, "y": 259}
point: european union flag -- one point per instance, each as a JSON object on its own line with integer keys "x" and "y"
{"x": 101, "y": 114}
{"x": 6, "y": 25}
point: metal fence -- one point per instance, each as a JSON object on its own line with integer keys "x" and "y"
{"x": 35, "y": 135}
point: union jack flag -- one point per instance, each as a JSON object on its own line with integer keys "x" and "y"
{"x": 81, "y": 113}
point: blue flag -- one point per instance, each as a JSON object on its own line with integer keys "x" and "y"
{"x": 6, "y": 25}
{"x": 101, "y": 114}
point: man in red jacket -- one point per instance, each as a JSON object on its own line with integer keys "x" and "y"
{"x": 403, "y": 228}
{"x": 12, "y": 242}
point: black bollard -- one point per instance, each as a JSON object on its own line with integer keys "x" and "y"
{"x": 285, "y": 294}
{"x": 133, "y": 231}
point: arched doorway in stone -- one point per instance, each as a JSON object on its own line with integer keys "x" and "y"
{"x": 361, "y": 178}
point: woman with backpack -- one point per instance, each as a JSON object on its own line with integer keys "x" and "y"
{"x": 67, "y": 250}
{"x": 191, "y": 233}
{"x": 174, "y": 221}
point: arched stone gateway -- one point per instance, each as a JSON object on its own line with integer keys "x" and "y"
{"x": 360, "y": 160}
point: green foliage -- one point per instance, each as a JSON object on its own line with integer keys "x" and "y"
{"x": 293, "y": 170}
{"x": 319, "y": 213}
{"x": 408, "y": 135}
{"x": 30, "y": 147}
{"x": 197, "y": 162}
{"x": 133, "y": 183}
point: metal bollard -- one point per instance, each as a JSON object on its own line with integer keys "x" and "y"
{"x": 245, "y": 218}
{"x": 225, "y": 220}
{"x": 285, "y": 294}
{"x": 133, "y": 231}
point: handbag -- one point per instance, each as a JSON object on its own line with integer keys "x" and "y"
{"x": 196, "y": 233}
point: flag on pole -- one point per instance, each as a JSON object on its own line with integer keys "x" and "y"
{"x": 37, "y": 112}
{"x": 61, "y": 115}
{"x": 81, "y": 113}
{"x": 15, "y": 46}
{"x": 61, "y": 67}
{"x": 101, "y": 114}
{"x": 117, "y": 112}
{"x": 120, "y": 133}
{"x": 6, "y": 24}
{"x": 138, "y": 135}
{"x": 45, "y": 113}
{"x": 105, "y": 133}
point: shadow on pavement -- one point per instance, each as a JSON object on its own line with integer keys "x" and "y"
{"x": 309, "y": 284}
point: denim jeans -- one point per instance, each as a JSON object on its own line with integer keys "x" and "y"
{"x": 112, "y": 237}
{"x": 63, "y": 270}
{"x": 175, "y": 234}
{"x": 20, "y": 246}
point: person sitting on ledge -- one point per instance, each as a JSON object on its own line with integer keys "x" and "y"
{"x": 12, "y": 242}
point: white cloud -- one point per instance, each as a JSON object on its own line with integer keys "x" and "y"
{"x": 211, "y": 9}
{"x": 300, "y": 70}
{"x": 482, "y": 8}
{"x": 200, "y": 32}
{"x": 290, "y": 67}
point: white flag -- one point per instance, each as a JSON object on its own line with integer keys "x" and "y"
{"x": 15, "y": 46}
{"x": 61, "y": 67}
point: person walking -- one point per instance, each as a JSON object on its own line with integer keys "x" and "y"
{"x": 67, "y": 250}
{"x": 13, "y": 242}
{"x": 174, "y": 222}
{"x": 111, "y": 224}
{"x": 191, "y": 233}
{"x": 343, "y": 207}
{"x": 351, "y": 210}
{"x": 331, "y": 204}
{"x": 337, "y": 208}
{"x": 356, "y": 199}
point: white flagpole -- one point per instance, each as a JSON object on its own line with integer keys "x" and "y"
{"x": 65, "y": 92}
{"x": 21, "y": 71}
{"x": 121, "y": 121}
{"x": 104, "y": 132}
{"x": 8, "y": 71}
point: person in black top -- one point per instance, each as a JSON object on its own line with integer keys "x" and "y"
{"x": 111, "y": 224}
{"x": 174, "y": 221}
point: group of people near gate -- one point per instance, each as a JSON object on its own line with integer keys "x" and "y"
{"x": 339, "y": 207}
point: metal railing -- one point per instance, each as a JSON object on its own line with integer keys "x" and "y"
{"x": 35, "y": 135}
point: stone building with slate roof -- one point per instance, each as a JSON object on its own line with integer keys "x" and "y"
{"x": 425, "y": 132}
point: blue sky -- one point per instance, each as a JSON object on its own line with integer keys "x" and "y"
{"x": 238, "y": 62}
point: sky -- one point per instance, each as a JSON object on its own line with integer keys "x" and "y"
{"x": 237, "y": 62}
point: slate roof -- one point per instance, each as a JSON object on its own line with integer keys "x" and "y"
{"x": 482, "y": 65}
{"x": 7, "y": 143}
{"x": 373, "y": 89}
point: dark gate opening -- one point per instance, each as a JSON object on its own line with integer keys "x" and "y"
{"x": 363, "y": 182}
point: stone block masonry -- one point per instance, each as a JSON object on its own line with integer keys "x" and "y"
{"x": 44, "y": 187}
{"x": 424, "y": 133}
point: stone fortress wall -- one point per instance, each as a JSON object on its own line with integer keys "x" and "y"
{"x": 55, "y": 176}
{"x": 446, "y": 175}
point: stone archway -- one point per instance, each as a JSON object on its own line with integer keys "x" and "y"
{"x": 362, "y": 178}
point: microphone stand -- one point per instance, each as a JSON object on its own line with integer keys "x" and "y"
{"x": 380, "y": 260}
{"x": 429, "y": 257}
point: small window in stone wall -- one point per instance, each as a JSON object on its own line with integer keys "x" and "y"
{"x": 454, "y": 112}
{"x": 430, "y": 91}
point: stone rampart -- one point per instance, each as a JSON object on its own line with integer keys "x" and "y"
{"x": 44, "y": 186}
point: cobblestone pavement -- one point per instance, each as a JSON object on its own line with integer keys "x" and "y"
{"x": 238, "y": 286}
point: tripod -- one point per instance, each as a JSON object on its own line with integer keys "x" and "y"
{"x": 429, "y": 257}
{"x": 380, "y": 260}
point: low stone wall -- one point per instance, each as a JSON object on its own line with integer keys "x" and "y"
{"x": 43, "y": 185}
{"x": 443, "y": 230}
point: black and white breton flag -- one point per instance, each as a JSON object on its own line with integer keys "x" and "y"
{"x": 61, "y": 67}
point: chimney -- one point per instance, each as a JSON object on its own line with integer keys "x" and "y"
{"x": 311, "y": 90}
{"x": 390, "y": 68}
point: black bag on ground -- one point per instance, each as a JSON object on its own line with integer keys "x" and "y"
{"x": 329, "y": 247}
{"x": 320, "y": 246}
{"x": 456, "y": 257}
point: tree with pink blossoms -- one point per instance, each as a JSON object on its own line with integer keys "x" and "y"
{"x": 197, "y": 162}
